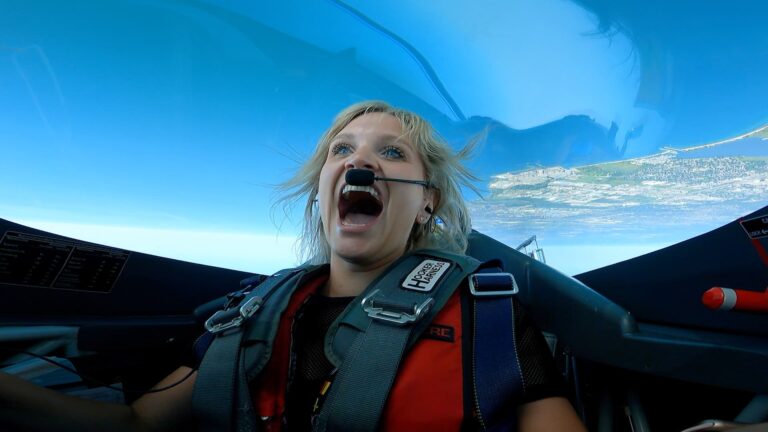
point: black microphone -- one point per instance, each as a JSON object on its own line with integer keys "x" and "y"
{"x": 364, "y": 177}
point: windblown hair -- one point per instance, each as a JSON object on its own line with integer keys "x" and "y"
{"x": 450, "y": 224}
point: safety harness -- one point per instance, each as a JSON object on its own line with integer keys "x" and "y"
{"x": 366, "y": 343}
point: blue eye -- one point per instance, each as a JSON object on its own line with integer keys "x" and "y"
{"x": 392, "y": 152}
{"x": 341, "y": 149}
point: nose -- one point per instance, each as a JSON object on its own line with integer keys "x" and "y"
{"x": 361, "y": 158}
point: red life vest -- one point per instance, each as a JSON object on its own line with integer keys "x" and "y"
{"x": 428, "y": 389}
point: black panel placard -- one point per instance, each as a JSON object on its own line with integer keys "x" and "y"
{"x": 39, "y": 261}
{"x": 756, "y": 227}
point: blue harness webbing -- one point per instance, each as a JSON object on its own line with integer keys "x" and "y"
{"x": 498, "y": 382}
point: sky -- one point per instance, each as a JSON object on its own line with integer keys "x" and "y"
{"x": 163, "y": 126}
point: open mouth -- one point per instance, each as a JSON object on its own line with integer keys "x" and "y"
{"x": 359, "y": 205}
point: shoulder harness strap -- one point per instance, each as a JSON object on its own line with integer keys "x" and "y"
{"x": 221, "y": 399}
{"x": 497, "y": 377}
{"x": 369, "y": 340}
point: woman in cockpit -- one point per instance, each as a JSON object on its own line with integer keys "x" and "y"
{"x": 380, "y": 330}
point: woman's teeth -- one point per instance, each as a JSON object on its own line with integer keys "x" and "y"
{"x": 349, "y": 188}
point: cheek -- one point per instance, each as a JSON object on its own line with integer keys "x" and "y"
{"x": 325, "y": 192}
{"x": 409, "y": 206}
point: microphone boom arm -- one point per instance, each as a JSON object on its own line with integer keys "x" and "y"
{"x": 426, "y": 184}
{"x": 364, "y": 177}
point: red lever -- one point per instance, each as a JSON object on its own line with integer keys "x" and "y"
{"x": 735, "y": 299}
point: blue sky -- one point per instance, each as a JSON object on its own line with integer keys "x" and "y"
{"x": 163, "y": 126}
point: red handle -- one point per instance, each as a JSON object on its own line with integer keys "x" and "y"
{"x": 735, "y": 299}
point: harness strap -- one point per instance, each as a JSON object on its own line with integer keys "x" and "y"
{"x": 222, "y": 399}
{"x": 366, "y": 343}
{"x": 394, "y": 316}
{"x": 358, "y": 410}
{"x": 498, "y": 380}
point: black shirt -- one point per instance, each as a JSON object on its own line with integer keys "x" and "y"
{"x": 312, "y": 368}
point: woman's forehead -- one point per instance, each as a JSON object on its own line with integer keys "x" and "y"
{"x": 375, "y": 121}
{"x": 381, "y": 127}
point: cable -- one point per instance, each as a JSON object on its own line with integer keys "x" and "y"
{"x": 100, "y": 383}
{"x": 422, "y": 61}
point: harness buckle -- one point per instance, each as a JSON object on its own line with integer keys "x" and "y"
{"x": 493, "y": 285}
{"x": 397, "y": 313}
{"x": 233, "y": 317}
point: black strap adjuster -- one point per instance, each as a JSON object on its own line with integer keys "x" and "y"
{"x": 493, "y": 285}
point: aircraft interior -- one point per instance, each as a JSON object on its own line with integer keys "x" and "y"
{"x": 628, "y": 142}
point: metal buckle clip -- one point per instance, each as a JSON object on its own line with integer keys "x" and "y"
{"x": 476, "y": 287}
{"x": 395, "y": 313}
{"x": 244, "y": 312}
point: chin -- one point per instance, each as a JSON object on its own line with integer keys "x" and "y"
{"x": 353, "y": 252}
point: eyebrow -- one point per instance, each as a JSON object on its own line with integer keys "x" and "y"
{"x": 388, "y": 138}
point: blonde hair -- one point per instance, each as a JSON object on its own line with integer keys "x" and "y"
{"x": 450, "y": 224}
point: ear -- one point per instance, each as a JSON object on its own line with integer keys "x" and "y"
{"x": 431, "y": 201}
